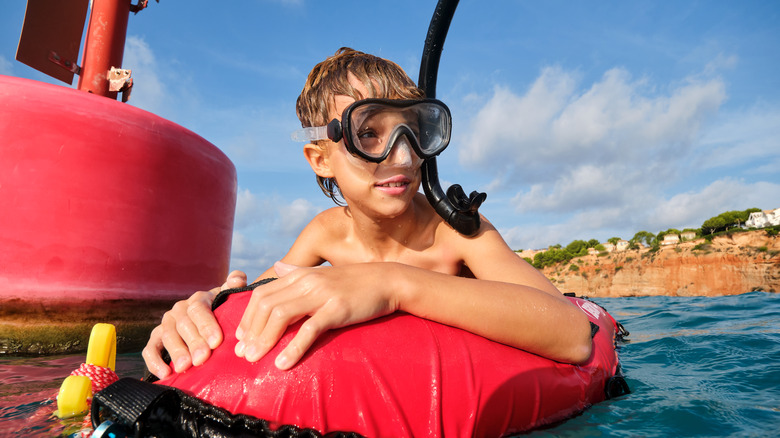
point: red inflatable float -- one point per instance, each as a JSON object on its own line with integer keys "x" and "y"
{"x": 404, "y": 376}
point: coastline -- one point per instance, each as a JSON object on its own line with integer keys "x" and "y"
{"x": 729, "y": 265}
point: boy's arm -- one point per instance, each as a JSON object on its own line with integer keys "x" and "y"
{"x": 509, "y": 301}
{"x": 518, "y": 315}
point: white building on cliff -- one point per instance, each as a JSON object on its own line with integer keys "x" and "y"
{"x": 671, "y": 239}
{"x": 761, "y": 219}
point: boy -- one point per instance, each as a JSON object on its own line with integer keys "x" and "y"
{"x": 369, "y": 128}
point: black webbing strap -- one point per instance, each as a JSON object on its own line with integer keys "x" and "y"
{"x": 142, "y": 409}
{"x": 135, "y": 405}
{"x": 223, "y": 295}
{"x": 616, "y": 386}
{"x": 594, "y": 328}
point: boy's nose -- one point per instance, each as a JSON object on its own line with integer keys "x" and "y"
{"x": 402, "y": 154}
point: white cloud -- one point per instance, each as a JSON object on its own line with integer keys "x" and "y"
{"x": 592, "y": 224}
{"x": 148, "y": 91}
{"x": 596, "y": 160}
{"x": 249, "y": 133}
{"x": 248, "y": 209}
{"x": 693, "y": 208}
{"x": 265, "y": 228}
{"x": 510, "y": 129}
{"x": 587, "y": 186}
{"x": 536, "y": 236}
{"x": 689, "y": 209}
{"x": 294, "y": 216}
{"x": 251, "y": 255}
{"x": 6, "y": 67}
{"x": 277, "y": 215}
{"x": 721, "y": 62}
{"x": 747, "y": 137}
{"x": 554, "y": 129}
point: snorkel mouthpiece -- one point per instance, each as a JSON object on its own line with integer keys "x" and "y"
{"x": 459, "y": 210}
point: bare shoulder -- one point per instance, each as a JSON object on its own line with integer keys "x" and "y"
{"x": 488, "y": 238}
{"x": 489, "y": 257}
{"x": 309, "y": 248}
{"x": 468, "y": 249}
{"x": 329, "y": 221}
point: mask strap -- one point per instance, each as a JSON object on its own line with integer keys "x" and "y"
{"x": 455, "y": 207}
{"x": 310, "y": 134}
{"x": 330, "y": 131}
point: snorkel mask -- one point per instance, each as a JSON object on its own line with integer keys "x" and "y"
{"x": 371, "y": 128}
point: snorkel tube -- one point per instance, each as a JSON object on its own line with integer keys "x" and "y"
{"x": 459, "y": 210}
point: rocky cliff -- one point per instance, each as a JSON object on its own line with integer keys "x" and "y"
{"x": 733, "y": 264}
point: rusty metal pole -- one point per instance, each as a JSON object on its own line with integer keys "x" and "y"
{"x": 104, "y": 45}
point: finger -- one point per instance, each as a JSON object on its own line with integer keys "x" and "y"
{"x": 235, "y": 279}
{"x": 258, "y": 307}
{"x": 153, "y": 357}
{"x": 263, "y": 301}
{"x": 283, "y": 269}
{"x": 332, "y": 315}
{"x": 263, "y": 337}
{"x": 301, "y": 342}
{"x": 279, "y": 311}
{"x": 209, "y": 333}
{"x": 179, "y": 329}
{"x": 197, "y": 346}
{"x": 173, "y": 343}
{"x": 205, "y": 322}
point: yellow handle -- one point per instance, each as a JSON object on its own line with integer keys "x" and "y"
{"x": 72, "y": 399}
{"x": 75, "y": 390}
{"x": 102, "y": 346}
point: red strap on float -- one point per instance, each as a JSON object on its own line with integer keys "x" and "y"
{"x": 100, "y": 376}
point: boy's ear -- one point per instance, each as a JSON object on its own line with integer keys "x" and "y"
{"x": 318, "y": 160}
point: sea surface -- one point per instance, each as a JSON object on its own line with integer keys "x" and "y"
{"x": 696, "y": 366}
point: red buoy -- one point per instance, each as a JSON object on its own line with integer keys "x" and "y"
{"x": 109, "y": 214}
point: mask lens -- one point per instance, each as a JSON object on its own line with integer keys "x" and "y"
{"x": 434, "y": 128}
{"x": 370, "y": 128}
{"x": 373, "y": 123}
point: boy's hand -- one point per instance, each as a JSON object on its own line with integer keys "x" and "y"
{"x": 188, "y": 331}
{"x": 332, "y": 298}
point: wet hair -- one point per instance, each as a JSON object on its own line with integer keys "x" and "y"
{"x": 329, "y": 78}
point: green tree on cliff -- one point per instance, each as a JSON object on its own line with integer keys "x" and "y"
{"x": 550, "y": 257}
{"x": 557, "y": 254}
{"x": 577, "y": 248}
{"x": 726, "y": 220}
{"x": 713, "y": 224}
{"x": 645, "y": 237}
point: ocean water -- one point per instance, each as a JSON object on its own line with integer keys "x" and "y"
{"x": 697, "y": 366}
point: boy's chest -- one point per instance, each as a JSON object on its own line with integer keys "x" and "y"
{"x": 433, "y": 257}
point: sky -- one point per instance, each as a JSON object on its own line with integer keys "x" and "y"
{"x": 580, "y": 120}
